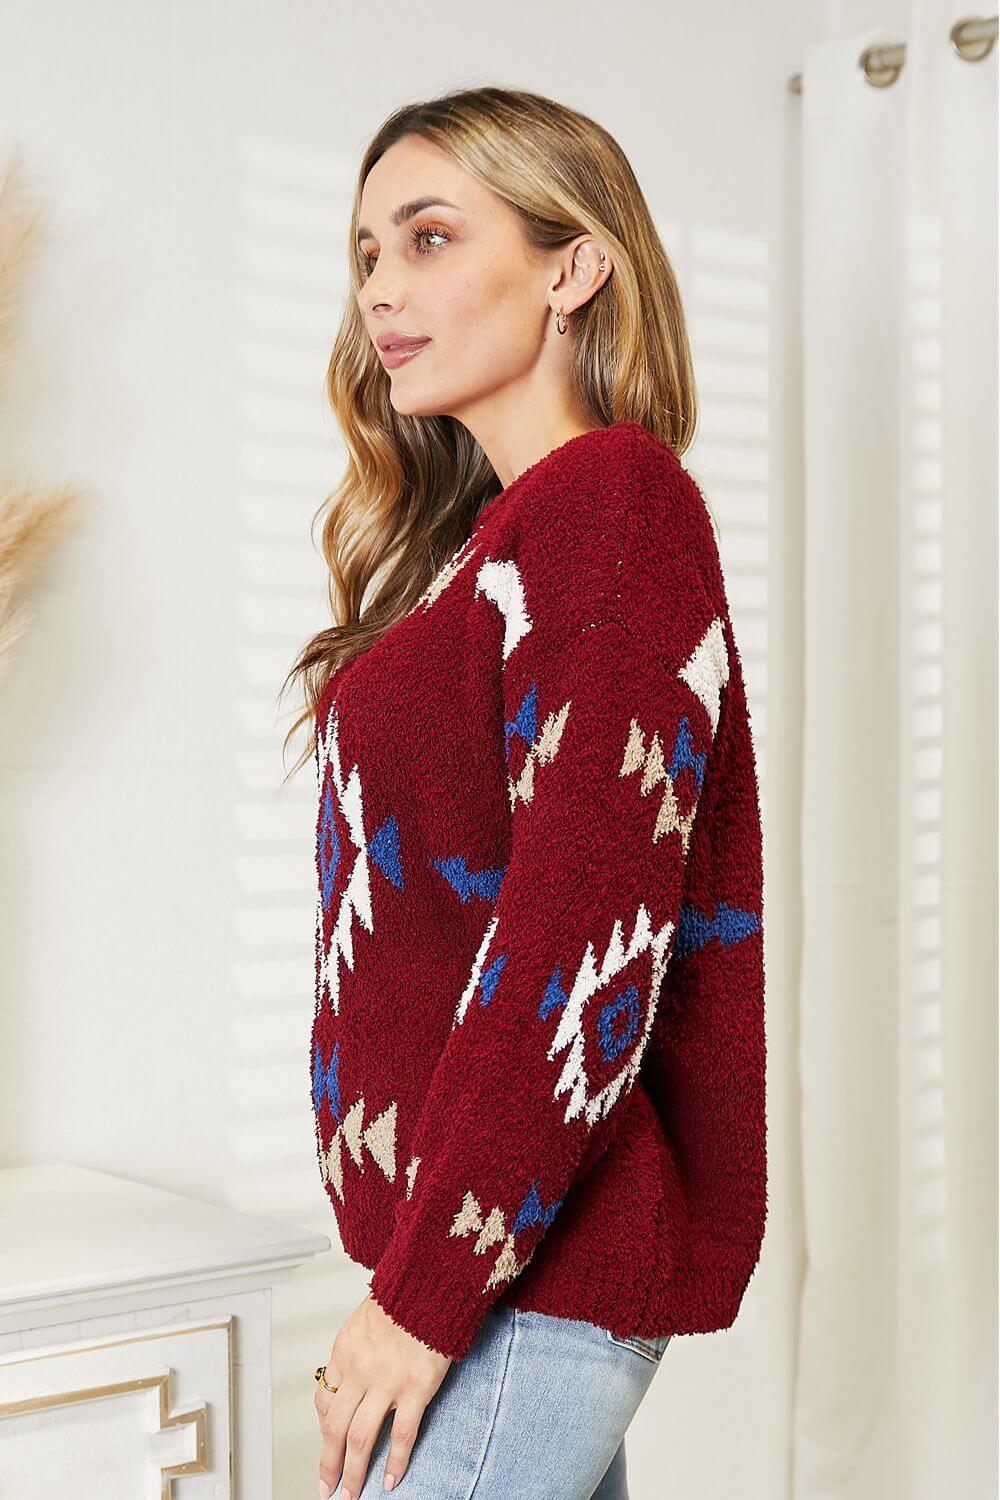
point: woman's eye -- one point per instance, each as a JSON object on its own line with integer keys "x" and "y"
{"x": 422, "y": 231}
{"x": 417, "y": 233}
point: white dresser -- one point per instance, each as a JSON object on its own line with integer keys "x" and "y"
{"x": 135, "y": 1339}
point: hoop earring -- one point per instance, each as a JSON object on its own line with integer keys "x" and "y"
{"x": 560, "y": 315}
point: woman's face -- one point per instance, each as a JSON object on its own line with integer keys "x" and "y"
{"x": 457, "y": 274}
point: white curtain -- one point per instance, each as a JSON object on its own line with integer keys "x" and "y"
{"x": 896, "y": 1386}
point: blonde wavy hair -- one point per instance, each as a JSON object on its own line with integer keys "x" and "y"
{"x": 414, "y": 485}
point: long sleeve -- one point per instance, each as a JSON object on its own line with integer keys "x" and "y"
{"x": 608, "y": 733}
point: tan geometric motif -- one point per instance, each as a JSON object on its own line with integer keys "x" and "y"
{"x": 669, "y": 819}
{"x": 445, "y": 575}
{"x": 378, "y": 1136}
{"x": 490, "y": 1231}
{"x": 540, "y": 753}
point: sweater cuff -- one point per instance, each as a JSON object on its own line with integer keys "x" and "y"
{"x": 419, "y": 1296}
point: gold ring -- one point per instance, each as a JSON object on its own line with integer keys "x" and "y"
{"x": 321, "y": 1377}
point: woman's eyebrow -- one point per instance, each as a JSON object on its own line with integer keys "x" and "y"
{"x": 408, "y": 211}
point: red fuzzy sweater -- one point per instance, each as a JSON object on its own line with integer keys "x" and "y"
{"x": 538, "y": 1046}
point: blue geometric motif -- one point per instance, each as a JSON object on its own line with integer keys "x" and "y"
{"x": 684, "y": 754}
{"x": 730, "y": 925}
{"x": 611, "y": 1045}
{"x": 470, "y": 883}
{"x": 525, "y": 722}
{"x": 555, "y": 996}
{"x": 531, "y": 1211}
{"x": 384, "y": 850}
{"x": 329, "y": 846}
{"x": 488, "y": 981}
{"x": 326, "y": 1082}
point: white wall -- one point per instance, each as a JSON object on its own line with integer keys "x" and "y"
{"x": 156, "y": 922}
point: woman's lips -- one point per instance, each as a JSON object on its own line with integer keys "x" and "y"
{"x": 402, "y": 353}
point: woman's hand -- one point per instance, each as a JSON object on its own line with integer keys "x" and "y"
{"x": 375, "y": 1365}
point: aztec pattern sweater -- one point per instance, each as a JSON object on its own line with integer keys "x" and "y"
{"x": 538, "y": 1045}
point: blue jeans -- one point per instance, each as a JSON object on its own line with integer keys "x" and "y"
{"x": 538, "y": 1408}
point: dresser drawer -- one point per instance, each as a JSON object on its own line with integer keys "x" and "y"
{"x": 120, "y": 1415}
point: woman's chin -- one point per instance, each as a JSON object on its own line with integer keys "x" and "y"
{"x": 409, "y": 404}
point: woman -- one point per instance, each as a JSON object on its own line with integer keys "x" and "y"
{"x": 538, "y": 1034}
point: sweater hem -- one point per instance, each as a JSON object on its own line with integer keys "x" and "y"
{"x": 689, "y": 1300}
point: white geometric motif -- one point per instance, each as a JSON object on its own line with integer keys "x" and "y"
{"x": 477, "y": 969}
{"x": 502, "y": 582}
{"x": 590, "y": 980}
{"x": 706, "y": 670}
{"x": 355, "y": 901}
